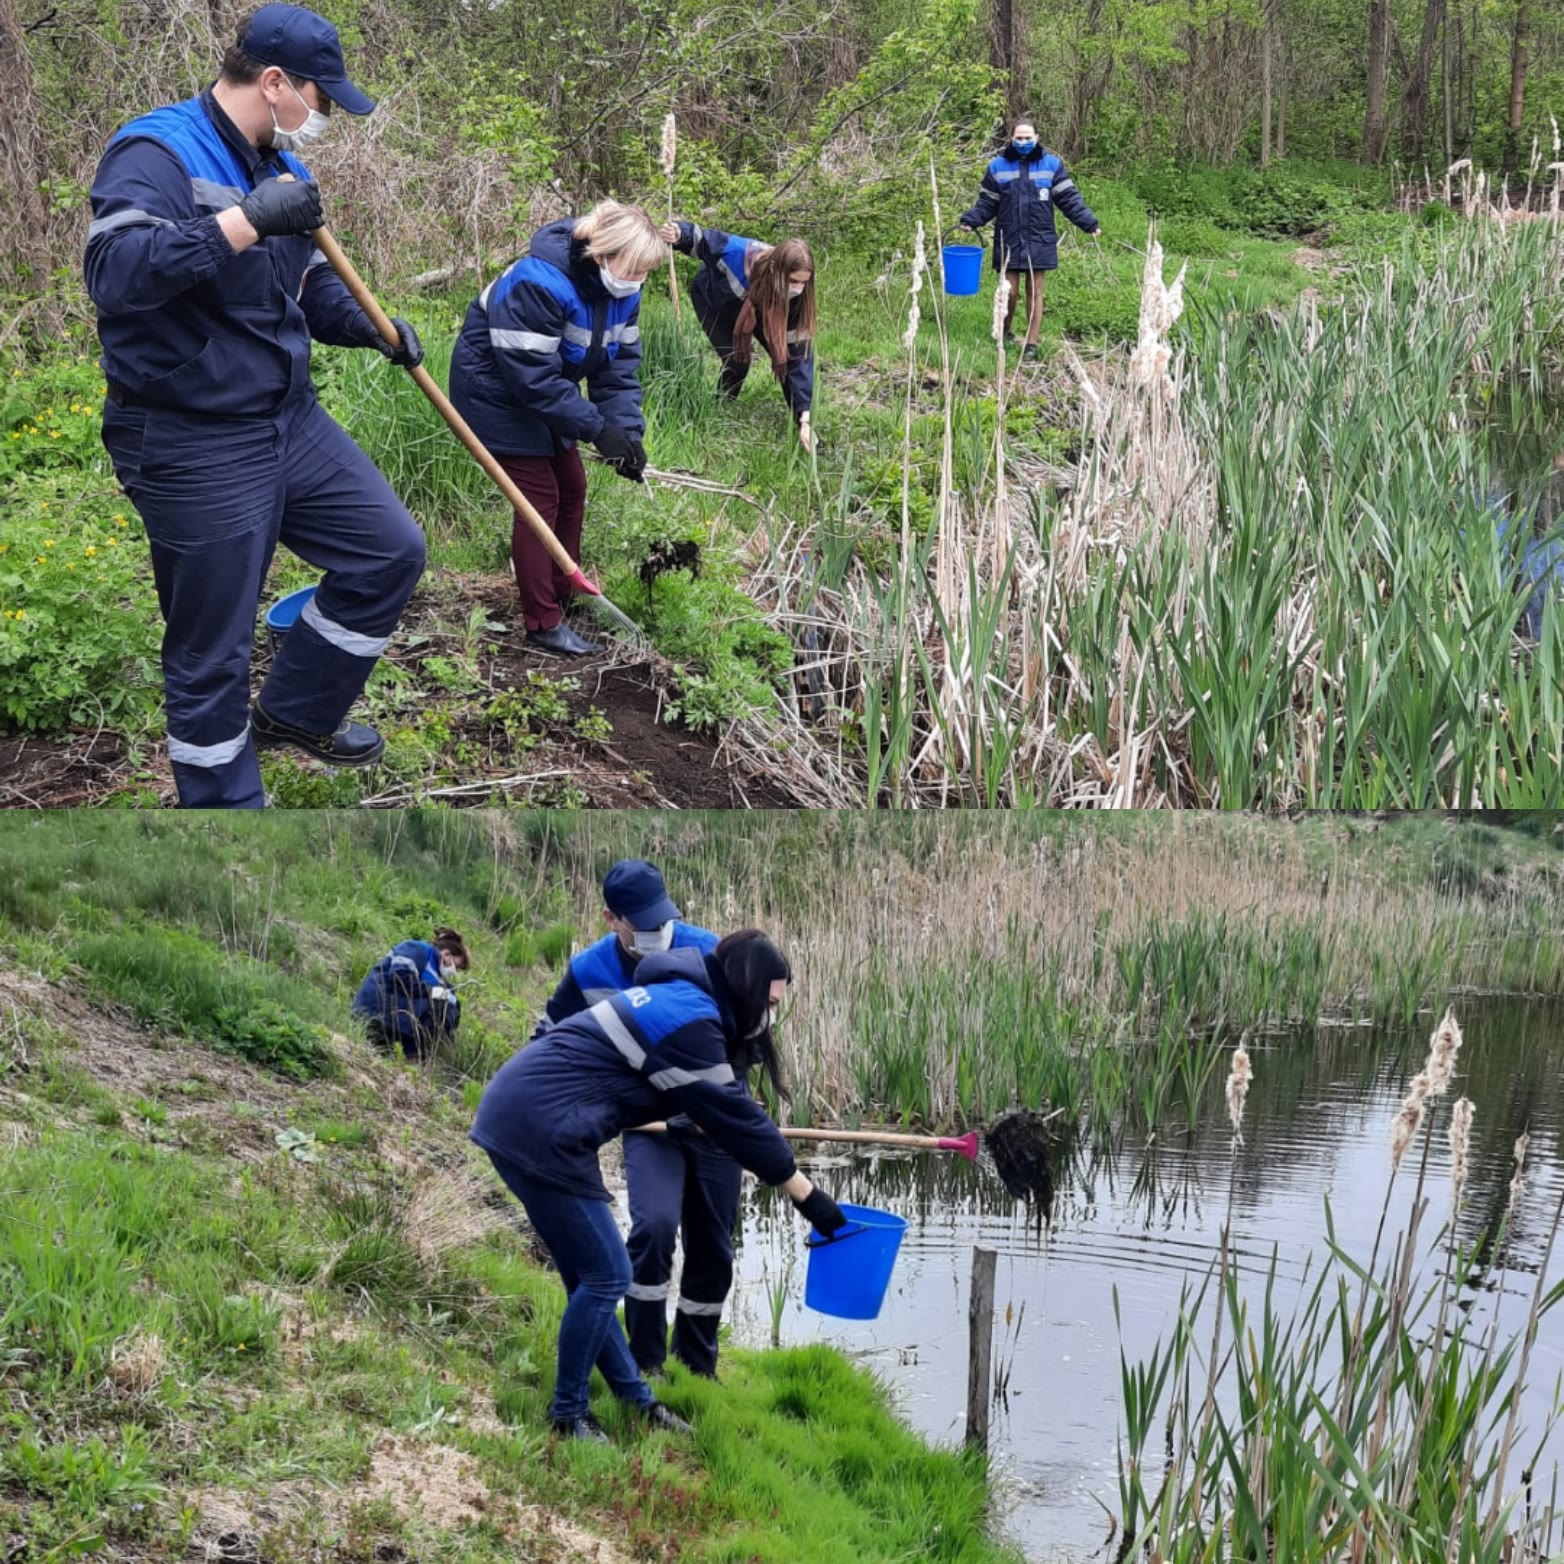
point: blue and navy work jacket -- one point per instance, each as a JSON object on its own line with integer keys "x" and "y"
{"x": 605, "y": 968}
{"x": 1020, "y": 192}
{"x": 185, "y": 323}
{"x": 407, "y": 995}
{"x": 664, "y": 1046}
{"x": 533, "y": 337}
{"x": 722, "y": 285}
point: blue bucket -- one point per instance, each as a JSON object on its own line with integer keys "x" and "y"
{"x": 963, "y": 269}
{"x": 284, "y": 613}
{"x": 850, "y": 1273}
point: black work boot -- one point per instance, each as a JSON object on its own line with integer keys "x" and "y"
{"x": 562, "y": 641}
{"x": 353, "y": 744}
{"x": 584, "y": 1427}
{"x": 665, "y": 1420}
{"x": 1031, "y": 352}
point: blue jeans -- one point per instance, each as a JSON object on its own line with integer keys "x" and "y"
{"x": 583, "y": 1238}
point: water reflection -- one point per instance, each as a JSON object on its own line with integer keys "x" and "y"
{"x": 1141, "y": 1220}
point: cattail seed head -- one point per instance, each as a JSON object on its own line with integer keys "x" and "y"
{"x": 1001, "y": 305}
{"x": 1443, "y": 1046}
{"x": 1238, "y": 1088}
{"x": 1408, "y": 1120}
{"x": 1518, "y": 1182}
{"x": 1460, "y": 1144}
{"x": 670, "y": 144}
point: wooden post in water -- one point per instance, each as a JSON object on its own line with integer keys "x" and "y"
{"x": 980, "y": 1346}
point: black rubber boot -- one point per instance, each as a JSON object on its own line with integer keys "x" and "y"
{"x": 666, "y": 1420}
{"x": 587, "y": 1428}
{"x": 353, "y": 744}
{"x": 562, "y": 641}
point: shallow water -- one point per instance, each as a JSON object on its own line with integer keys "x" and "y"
{"x": 1148, "y": 1221}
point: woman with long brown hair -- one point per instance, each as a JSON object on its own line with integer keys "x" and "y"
{"x": 747, "y": 292}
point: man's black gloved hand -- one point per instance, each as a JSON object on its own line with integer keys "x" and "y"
{"x": 283, "y": 206}
{"x": 409, "y": 352}
{"x": 824, "y": 1215}
{"x": 624, "y": 453}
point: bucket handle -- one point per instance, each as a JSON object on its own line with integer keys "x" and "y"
{"x": 841, "y": 1235}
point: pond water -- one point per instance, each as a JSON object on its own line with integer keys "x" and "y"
{"x": 1146, "y": 1221}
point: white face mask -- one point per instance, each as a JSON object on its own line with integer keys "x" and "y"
{"x": 448, "y": 975}
{"x": 648, "y": 942}
{"x": 767, "y": 1022}
{"x": 313, "y": 128}
{"x": 795, "y": 290}
{"x": 617, "y": 285}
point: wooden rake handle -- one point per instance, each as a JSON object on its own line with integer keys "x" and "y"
{"x": 966, "y": 1144}
{"x": 370, "y": 305}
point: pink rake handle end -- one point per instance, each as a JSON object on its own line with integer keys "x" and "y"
{"x": 966, "y": 1144}
{"x": 582, "y": 584}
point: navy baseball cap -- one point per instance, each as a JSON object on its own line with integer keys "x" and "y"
{"x": 304, "y": 45}
{"x": 634, "y": 890}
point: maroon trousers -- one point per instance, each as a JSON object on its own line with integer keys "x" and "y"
{"x": 557, "y": 487}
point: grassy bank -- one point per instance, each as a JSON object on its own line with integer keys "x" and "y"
{"x": 257, "y": 1292}
{"x": 986, "y": 588}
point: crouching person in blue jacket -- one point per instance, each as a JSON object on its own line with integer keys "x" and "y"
{"x": 1021, "y": 188}
{"x": 409, "y": 998}
{"x": 666, "y": 1045}
{"x": 566, "y": 314}
{"x": 209, "y": 292}
{"x": 681, "y": 1184}
{"x": 747, "y": 292}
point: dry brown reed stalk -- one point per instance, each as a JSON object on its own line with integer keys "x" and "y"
{"x": 669, "y": 160}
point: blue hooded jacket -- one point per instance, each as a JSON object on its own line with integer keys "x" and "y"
{"x": 1019, "y": 194}
{"x": 407, "y": 995}
{"x": 532, "y": 338}
{"x": 662, "y": 1047}
{"x": 718, "y": 293}
{"x": 605, "y": 967}
{"x": 185, "y": 323}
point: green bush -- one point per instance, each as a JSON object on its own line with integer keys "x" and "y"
{"x": 267, "y": 1035}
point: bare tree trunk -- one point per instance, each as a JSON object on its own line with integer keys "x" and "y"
{"x": 1002, "y": 52}
{"x": 1512, "y": 134}
{"x": 1444, "y": 91}
{"x": 1281, "y": 102}
{"x": 1420, "y": 81}
{"x": 24, "y": 216}
{"x": 1267, "y": 49}
{"x": 1378, "y": 71}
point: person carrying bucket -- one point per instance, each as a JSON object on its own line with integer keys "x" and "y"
{"x": 209, "y": 291}
{"x": 1021, "y": 187}
{"x": 748, "y": 292}
{"x": 408, "y": 1000}
{"x": 678, "y": 1179}
{"x": 566, "y": 314}
{"x": 673, "y": 1042}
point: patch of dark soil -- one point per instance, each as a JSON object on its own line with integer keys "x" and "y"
{"x": 68, "y": 771}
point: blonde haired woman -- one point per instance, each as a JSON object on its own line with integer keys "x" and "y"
{"x": 550, "y": 355}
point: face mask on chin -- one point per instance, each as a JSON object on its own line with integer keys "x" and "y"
{"x": 649, "y": 942}
{"x": 307, "y": 134}
{"x": 766, "y": 1022}
{"x": 617, "y": 285}
{"x": 795, "y": 289}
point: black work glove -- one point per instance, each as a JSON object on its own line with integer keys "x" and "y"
{"x": 283, "y": 206}
{"x": 824, "y": 1215}
{"x": 409, "y": 351}
{"x": 624, "y": 453}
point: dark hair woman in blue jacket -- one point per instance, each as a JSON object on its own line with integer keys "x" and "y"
{"x": 746, "y": 292}
{"x": 666, "y": 1046}
{"x": 1021, "y": 188}
{"x": 409, "y": 998}
{"x": 567, "y": 314}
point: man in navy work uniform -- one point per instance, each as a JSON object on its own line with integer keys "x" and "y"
{"x": 208, "y": 292}
{"x": 673, "y": 1179}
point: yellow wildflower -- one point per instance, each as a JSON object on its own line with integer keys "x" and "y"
{"x": 90, "y": 550}
{"x": 70, "y": 564}
{"x": 48, "y": 542}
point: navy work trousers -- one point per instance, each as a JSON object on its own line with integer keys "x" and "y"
{"x": 679, "y": 1179}
{"x": 216, "y": 496}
